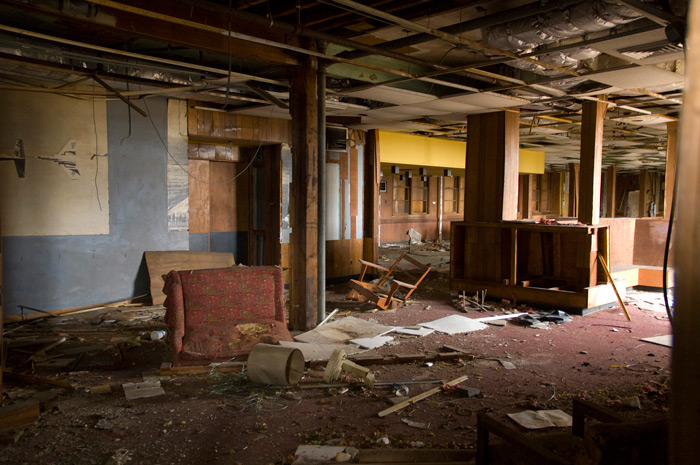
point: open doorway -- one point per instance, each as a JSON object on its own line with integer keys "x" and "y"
{"x": 265, "y": 206}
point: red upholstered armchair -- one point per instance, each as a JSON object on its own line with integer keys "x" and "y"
{"x": 213, "y": 315}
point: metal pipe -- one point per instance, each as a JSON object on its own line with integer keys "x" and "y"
{"x": 450, "y": 38}
{"x": 441, "y": 191}
{"x": 139, "y": 56}
{"x": 321, "y": 99}
{"x": 525, "y": 11}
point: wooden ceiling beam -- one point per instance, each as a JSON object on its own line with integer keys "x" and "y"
{"x": 178, "y": 27}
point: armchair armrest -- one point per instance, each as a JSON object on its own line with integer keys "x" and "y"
{"x": 175, "y": 310}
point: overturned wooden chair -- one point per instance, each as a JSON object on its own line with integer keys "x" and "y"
{"x": 383, "y": 298}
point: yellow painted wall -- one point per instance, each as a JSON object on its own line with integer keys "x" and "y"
{"x": 531, "y": 162}
{"x": 405, "y": 149}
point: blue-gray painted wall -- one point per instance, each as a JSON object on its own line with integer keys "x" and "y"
{"x": 54, "y": 272}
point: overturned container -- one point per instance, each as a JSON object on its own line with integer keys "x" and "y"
{"x": 276, "y": 365}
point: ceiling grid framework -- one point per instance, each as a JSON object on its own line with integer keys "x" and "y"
{"x": 417, "y": 67}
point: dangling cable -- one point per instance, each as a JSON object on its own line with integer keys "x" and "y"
{"x": 666, "y": 252}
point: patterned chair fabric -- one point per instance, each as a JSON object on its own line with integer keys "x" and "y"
{"x": 216, "y": 314}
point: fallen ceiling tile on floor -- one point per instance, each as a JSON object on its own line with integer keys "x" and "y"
{"x": 454, "y": 324}
{"x": 372, "y": 342}
{"x": 666, "y": 341}
{"x": 342, "y": 330}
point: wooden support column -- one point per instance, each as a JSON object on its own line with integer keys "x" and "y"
{"x": 610, "y": 192}
{"x": 671, "y": 155}
{"x": 684, "y": 446}
{"x": 555, "y": 194}
{"x": 491, "y": 192}
{"x": 643, "y": 193}
{"x": 524, "y": 196}
{"x": 591, "y": 162}
{"x": 304, "y": 193}
{"x": 574, "y": 170}
{"x": 372, "y": 177}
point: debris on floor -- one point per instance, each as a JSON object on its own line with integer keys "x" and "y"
{"x": 542, "y": 419}
{"x": 454, "y": 324}
{"x": 534, "y": 319}
{"x": 343, "y": 330}
{"x": 83, "y": 403}
{"x": 666, "y": 341}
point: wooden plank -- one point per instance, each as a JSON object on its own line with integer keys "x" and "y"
{"x": 368, "y": 456}
{"x": 304, "y": 191}
{"x": 199, "y": 196}
{"x": 166, "y": 369}
{"x": 559, "y": 298}
{"x": 421, "y": 396}
{"x": 574, "y": 170}
{"x": 38, "y": 380}
{"x": 160, "y": 263}
{"x": 19, "y": 415}
{"x": 222, "y": 198}
{"x": 591, "y": 161}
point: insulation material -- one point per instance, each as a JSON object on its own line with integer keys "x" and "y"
{"x": 178, "y": 192}
{"x": 524, "y": 35}
{"x": 286, "y": 229}
{"x": 65, "y": 189}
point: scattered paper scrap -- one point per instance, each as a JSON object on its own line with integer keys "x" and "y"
{"x": 666, "y": 341}
{"x": 469, "y": 391}
{"x": 416, "y": 424}
{"x": 420, "y": 331}
{"x": 541, "y": 419}
{"x": 309, "y": 454}
{"x": 372, "y": 342}
{"x": 139, "y": 390}
{"x": 508, "y": 365}
{"x": 454, "y": 324}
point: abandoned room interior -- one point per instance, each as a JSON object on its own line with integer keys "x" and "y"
{"x": 365, "y": 231}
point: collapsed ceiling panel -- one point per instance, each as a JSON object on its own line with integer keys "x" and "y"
{"x": 642, "y": 76}
{"x": 391, "y": 95}
{"x": 489, "y": 100}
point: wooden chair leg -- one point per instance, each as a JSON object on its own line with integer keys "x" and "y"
{"x": 482, "y": 442}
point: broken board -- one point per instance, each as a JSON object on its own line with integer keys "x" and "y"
{"x": 161, "y": 263}
{"x": 140, "y": 390}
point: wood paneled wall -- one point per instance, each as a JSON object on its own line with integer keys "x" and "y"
{"x": 210, "y": 126}
{"x": 393, "y": 226}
